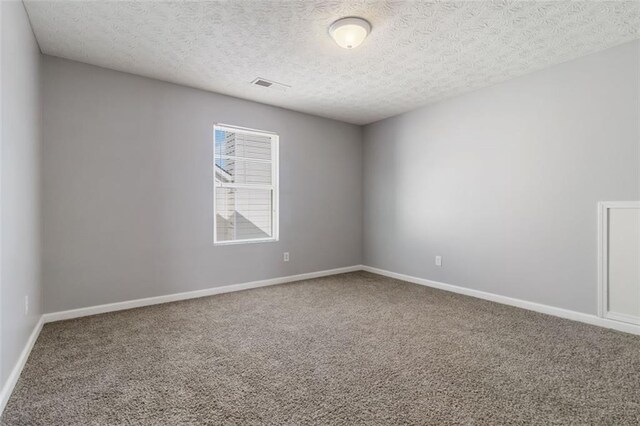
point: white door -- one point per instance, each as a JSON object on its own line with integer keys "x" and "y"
{"x": 621, "y": 262}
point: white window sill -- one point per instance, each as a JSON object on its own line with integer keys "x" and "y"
{"x": 254, "y": 241}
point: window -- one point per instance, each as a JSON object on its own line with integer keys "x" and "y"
{"x": 245, "y": 187}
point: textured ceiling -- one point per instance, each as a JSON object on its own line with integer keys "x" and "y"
{"x": 417, "y": 53}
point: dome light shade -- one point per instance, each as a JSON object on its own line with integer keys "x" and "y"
{"x": 349, "y": 33}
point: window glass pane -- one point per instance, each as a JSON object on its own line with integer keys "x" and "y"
{"x": 243, "y": 214}
{"x": 239, "y": 144}
{"x": 240, "y": 171}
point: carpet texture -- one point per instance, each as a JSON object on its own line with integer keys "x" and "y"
{"x": 349, "y": 349}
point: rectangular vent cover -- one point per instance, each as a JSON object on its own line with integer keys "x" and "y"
{"x": 262, "y": 83}
{"x": 270, "y": 84}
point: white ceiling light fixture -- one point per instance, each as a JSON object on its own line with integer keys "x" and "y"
{"x": 349, "y": 33}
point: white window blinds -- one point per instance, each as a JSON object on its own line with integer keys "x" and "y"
{"x": 245, "y": 185}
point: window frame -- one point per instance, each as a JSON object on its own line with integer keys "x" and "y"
{"x": 274, "y": 187}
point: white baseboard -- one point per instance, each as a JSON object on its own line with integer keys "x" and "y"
{"x": 532, "y": 306}
{"x": 5, "y": 393}
{"x": 137, "y": 303}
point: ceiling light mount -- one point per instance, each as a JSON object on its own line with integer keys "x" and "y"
{"x": 350, "y": 32}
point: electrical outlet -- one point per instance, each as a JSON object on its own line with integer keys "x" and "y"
{"x": 438, "y": 260}
{"x": 26, "y": 305}
{"x": 286, "y": 256}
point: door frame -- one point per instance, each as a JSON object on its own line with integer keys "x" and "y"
{"x": 603, "y": 259}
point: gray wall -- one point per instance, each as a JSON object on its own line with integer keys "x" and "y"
{"x": 127, "y": 189}
{"x": 20, "y": 183}
{"x": 503, "y": 182}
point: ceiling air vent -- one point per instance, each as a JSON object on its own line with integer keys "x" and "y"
{"x": 270, "y": 84}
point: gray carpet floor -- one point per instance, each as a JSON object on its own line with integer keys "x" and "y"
{"x": 348, "y": 349}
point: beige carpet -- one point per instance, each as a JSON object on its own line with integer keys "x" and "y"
{"x": 349, "y": 349}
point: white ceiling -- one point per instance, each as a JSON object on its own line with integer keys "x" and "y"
{"x": 417, "y": 53}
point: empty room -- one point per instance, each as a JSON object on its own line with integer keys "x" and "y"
{"x": 319, "y": 212}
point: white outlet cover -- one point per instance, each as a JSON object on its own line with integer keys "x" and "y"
{"x": 438, "y": 260}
